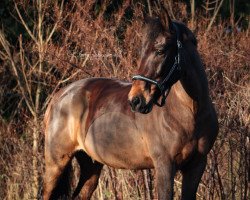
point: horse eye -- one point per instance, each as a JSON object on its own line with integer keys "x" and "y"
{"x": 159, "y": 52}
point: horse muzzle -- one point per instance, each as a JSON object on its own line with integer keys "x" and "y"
{"x": 138, "y": 104}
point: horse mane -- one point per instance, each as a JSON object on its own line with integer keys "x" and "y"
{"x": 186, "y": 33}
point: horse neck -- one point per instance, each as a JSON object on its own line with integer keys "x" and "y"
{"x": 180, "y": 96}
{"x": 192, "y": 89}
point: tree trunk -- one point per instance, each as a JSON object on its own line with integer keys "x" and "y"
{"x": 35, "y": 130}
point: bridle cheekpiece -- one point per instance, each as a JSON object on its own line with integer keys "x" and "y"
{"x": 164, "y": 86}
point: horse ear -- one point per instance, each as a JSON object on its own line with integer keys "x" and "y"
{"x": 166, "y": 20}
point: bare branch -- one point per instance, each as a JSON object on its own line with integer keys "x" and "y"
{"x": 214, "y": 16}
{"x": 25, "y": 25}
{"x": 19, "y": 77}
{"x": 192, "y": 2}
{"x": 22, "y": 59}
{"x": 55, "y": 25}
{"x": 149, "y": 8}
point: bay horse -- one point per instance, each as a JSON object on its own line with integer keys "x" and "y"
{"x": 164, "y": 119}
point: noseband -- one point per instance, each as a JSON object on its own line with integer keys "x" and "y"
{"x": 164, "y": 86}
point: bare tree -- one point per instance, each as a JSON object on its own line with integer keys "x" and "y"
{"x": 30, "y": 87}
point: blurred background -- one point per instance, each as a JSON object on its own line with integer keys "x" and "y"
{"x": 45, "y": 45}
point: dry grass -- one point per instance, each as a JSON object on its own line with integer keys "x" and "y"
{"x": 84, "y": 45}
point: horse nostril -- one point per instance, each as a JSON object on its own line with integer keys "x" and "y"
{"x": 130, "y": 103}
{"x": 136, "y": 101}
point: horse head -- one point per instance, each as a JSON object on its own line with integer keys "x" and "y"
{"x": 160, "y": 63}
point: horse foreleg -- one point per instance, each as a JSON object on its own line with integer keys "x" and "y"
{"x": 191, "y": 178}
{"x": 165, "y": 172}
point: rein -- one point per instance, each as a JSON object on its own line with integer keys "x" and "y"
{"x": 163, "y": 85}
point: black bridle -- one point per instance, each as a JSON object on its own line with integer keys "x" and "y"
{"x": 164, "y": 85}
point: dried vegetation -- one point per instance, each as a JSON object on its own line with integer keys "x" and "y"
{"x": 68, "y": 41}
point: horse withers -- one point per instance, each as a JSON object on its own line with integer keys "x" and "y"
{"x": 164, "y": 120}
